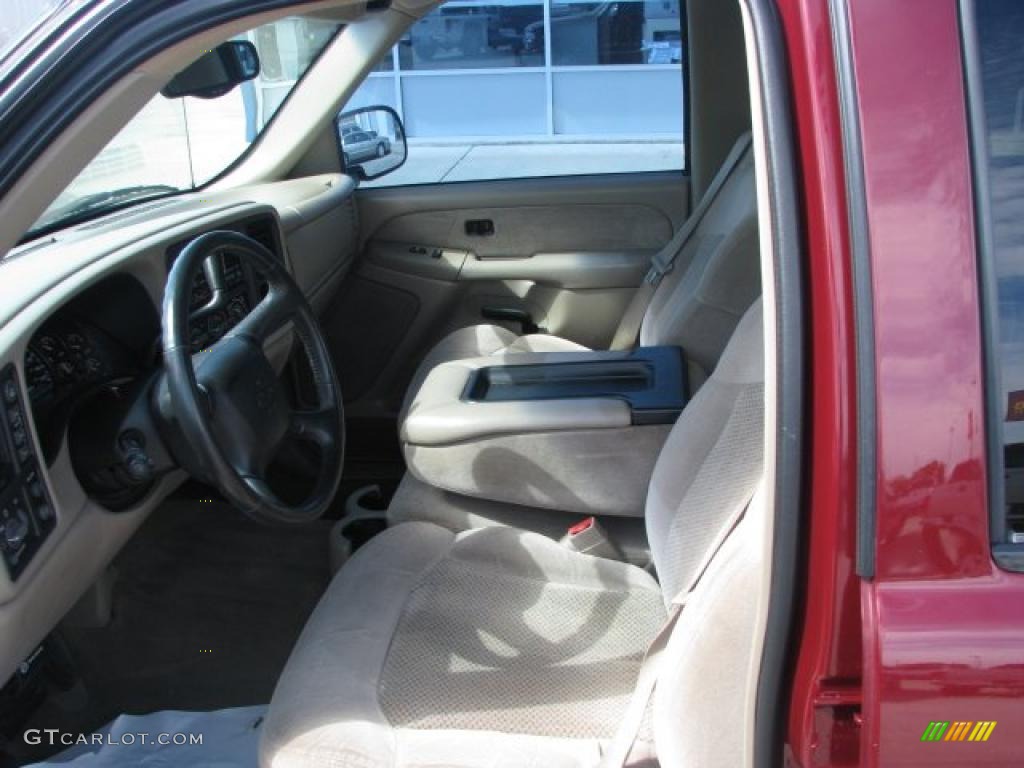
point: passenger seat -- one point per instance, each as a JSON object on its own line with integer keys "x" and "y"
{"x": 713, "y": 281}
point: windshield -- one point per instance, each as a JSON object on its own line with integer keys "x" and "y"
{"x": 177, "y": 145}
{"x": 19, "y": 19}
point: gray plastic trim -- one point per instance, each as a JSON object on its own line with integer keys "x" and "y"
{"x": 863, "y": 299}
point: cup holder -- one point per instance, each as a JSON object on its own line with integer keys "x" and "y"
{"x": 365, "y": 517}
{"x": 367, "y": 501}
{"x": 358, "y": 532}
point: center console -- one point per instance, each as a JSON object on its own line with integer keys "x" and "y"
{"x": 572, "y": 431}
{"x": 26, "y": 513}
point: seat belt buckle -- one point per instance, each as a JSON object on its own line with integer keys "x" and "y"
{"x": 588, "y": 537}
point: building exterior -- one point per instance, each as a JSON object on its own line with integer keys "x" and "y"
{"x": 529, "y": 70}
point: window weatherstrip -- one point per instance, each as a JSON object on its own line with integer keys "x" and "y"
{"x": 856, "y": 204}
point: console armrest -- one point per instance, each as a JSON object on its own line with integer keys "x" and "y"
{"x": 440, "y": 414}
{"x": 575, "y": 431}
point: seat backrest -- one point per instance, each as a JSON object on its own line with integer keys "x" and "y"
{"x": 715, "y": 278}
{"x": 707, "y": 473}
{"x": 710, "y": 462}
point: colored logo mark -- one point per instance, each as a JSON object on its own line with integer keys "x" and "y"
{"x": 959, "y": 730}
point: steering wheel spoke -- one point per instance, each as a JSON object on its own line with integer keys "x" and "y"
{"x": 318, "y": 426}
{"x": 270, "y": 315}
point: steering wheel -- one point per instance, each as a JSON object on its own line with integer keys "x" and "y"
{"x": 228, "y": 401}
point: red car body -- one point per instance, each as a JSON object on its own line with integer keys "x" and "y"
{"x": 936, "y": 633}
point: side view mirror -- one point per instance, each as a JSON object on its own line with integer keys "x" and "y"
{"x": 371, "y": 141}
{"x": 216, "y": 72}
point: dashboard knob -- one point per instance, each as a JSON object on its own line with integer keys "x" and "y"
{"x": 138, "y": 466}
{"x": 134, "y": 459}
{"x": 15, "y": 530}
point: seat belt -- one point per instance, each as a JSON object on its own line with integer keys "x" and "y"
{"x": 621, "y": 745}
{"x": 664, "y": 261}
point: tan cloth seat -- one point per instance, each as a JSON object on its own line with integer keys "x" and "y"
{"x": 429, "y": 645}
{"x": 497, "y": 647}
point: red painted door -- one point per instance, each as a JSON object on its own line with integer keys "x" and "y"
{"x": 943, "y": 625}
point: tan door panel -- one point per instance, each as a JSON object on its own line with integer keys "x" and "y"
{"x": 527, "y": 231}
{"x": 569, "y": 252}
{"x": 576, "y": 270}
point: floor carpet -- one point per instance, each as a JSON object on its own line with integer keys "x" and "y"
{"x": 207, "y": 606}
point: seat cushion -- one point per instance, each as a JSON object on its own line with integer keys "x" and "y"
{"x": 490, "y": 647}
{"x": 481, "y": 341}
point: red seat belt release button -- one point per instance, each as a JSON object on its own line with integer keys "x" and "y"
{"x": 589, "y": 538}
{"x": 581, "y": 526}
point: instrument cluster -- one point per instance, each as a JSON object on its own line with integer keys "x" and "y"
{"x": 68, "y": 359}
{"x": 102, "y": 337}
{"x": 62, "y": 356}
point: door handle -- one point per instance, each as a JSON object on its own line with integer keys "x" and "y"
{"x": 480, "y": 227}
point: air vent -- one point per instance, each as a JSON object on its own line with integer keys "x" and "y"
{"x": 264, "y": 231}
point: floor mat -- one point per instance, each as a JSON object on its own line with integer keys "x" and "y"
{"x": 207, "y": 607}
{"x": 226, "y": 738}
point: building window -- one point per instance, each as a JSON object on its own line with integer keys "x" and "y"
{"x": 632, "y": 32}
{"x": 523, "y": 88}
{"x": 467, "y": 35}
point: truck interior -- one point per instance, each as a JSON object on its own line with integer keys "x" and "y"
{"x": 408, "y": 475}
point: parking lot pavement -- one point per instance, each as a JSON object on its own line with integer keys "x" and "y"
{"x": 432, "y": 163}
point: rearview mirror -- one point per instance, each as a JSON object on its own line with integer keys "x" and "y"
{"x": 216, "y": 72}
{"x": 371, "y": 142}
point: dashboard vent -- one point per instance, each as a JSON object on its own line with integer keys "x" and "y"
{"x": 264, "y": 231}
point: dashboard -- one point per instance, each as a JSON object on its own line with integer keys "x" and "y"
{"x": 88, "y": 344}
{"x": 80, "y": 328}
{"x": 91, "y": 353}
